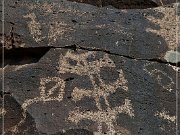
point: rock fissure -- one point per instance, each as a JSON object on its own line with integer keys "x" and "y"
{"x": 21, "y": 56}
{"x": 15, "y": 56}
{"x": 75, "y": 47}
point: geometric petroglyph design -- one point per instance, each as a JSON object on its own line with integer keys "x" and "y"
{"x": 101, "y": 90}
{"x": 164, "y": 115}
{"x": 82, "y": 66}
{"x": 108, "y": 117}
{"x": 34, "y": 27}
{"x": 2, "y": 112}
{"x": 45, "y": 7}
{"x": 54, "y": 93}
{"x": 79, "y": 64}
{"x": 57, "y": 30}
{"x": 167, "y": 85}
{"x": 160, "y": 76}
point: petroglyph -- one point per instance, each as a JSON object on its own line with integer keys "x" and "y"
{"x": 160, "y": 76}
{"x": 81, "y": 67}
{"x": 34, "y": 27}
{"x": 101, "y": 90}
{"x": 2, "y": 112}
{"x": 108, "y": 117}
{"x": 57, "y": 30}
{"x": 52, "y": 94}
{"x": 46, "y": 7}
{"x": 16, "y": 68}
{"x": 15, "y": 129}
{"x": 177, "y": 69}
{"x": 165, "y": 24}
{"x": 49, "y": 7}
{"x": 164, "y": 115}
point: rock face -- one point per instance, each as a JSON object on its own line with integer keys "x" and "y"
{"x": 141, "y": 34}
{"x": 76, "y": 69}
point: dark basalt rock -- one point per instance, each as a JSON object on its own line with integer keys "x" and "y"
{"x": 135, "y": 33}
{"x": 139, "y": 95}
{"x": 87, "y": 68}
{"x": 13, "y": 115}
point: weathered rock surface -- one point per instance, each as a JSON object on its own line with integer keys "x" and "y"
{"x": 77, "y": 69}
{"x": 91, "y": 90}
{"x": 137, "y": 33}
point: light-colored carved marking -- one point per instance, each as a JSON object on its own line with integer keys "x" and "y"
{"x": 15, "y": 129}
{"x": 164, "y": 115}
{"x": 48, "y": 96}
{"x": 101, "y": 26}
{"x": 34, "y": 27}
{"x": 163, "y": 128}
{"x": 2, "y": 111}
{"x": 78, "y": 94}
{"x": 167, "y": 86}
{"x": 108, "y": 117}
{"x": 160, "y": 75}
{"x": 57, "y": 30}
{"x": 168, "y": 29}
{"x": 91, "y": 68}
{"x": 83, "y": 67}
{"x": 19, "y": 67}
{"x": 177, "y": 69}
{"x": 46, "y": 7}
{"x": 45, "y": 96}
{"x": 103, "y": 90}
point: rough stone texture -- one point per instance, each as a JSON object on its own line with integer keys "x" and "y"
{"x": 77, "y": 69}
{"x": 65, "y": 90}
{"x": 140, "y": 34}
